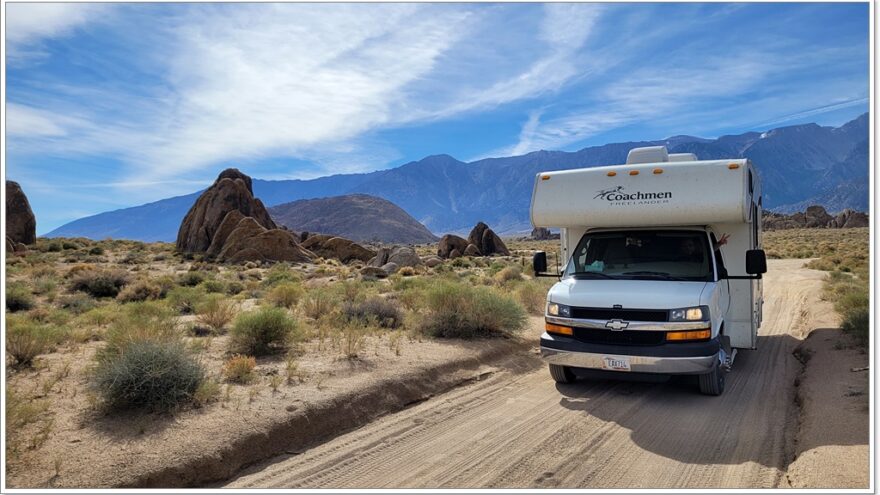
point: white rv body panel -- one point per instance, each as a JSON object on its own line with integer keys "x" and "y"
{"x": 680, "y": 193}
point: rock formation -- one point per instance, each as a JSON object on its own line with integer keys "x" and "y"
{"x": 232, "y": 191}
{"x": 482, "y": 241}
{"x": 228, "y": 223}
{"x": 343, "y": 249}
{"x": 400, "y": 256}
{"x": 815, "y": 217}
{"x": 21, "y": 226}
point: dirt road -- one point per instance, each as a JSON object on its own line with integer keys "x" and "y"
{"x": 517, "y": 428}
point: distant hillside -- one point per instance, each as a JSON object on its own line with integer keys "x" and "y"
{"x": 359, "y": 217}
{"x": 799, "y": 165}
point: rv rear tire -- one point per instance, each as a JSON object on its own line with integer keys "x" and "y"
{"x": 562, "y": 374}
{"x": 712, "y": 383}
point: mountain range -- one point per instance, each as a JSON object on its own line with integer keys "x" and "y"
{"x": 359, "y": 217}
{"x": 799, "y": 165}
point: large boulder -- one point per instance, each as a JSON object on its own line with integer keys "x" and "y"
{"x": 449, "y": 243}
{"x": 21, "y": 225}
{"x": 487, "y": 241}
{"x": 400, "y": 256}
{"x": 250, "y": 241}
{"x": 340, "y": 248}
{"x": 232, "y": 191}
{"x": 816, "y": 216}
{"x": 540, "y": 233}
{"x": 848, "y": 219}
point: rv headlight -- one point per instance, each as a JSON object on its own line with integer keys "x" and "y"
{"x": 562, "y": 310}
{"x": 699, "y": 313}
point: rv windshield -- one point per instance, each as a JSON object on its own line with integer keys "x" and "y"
{"x": 682, "y": 255}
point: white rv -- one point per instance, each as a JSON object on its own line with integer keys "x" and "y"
{"x": 662, "y": 266}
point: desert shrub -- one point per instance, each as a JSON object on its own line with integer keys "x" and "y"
{"x": 77, "y": 303}
{"x": 279, "y": 273}
{"x": 461, "y": 262}
{"x": 80, "y": 268}
{"x": 234, "y": 287}
{"x": 100, "y": 283}
{"x": 100, "y": 316}
{"x": 319, "y": 303}
{"x": 376, "y": 310}
{"x": 207, "y": 391}
{"x": 285, "y": 294}
{"x": 52, "y": 316}
{"x": 213, "y": 286}
{"x": 142, "y": 290}
{"x": 96, "y": 251}
{"x": 532, "y": 296}
{"x": 44, "y": 284}
{"x": 856, "y": 322}
{"x": 18, "y": 297}
{"x": 54, "y": 247}
{"x": 457, "y": 310}
{"x": 239, "y": 369}
{"x": 407, "y": 271}
{"x": 185, "y": 300}
{"x": 133, "y": 258}
{"x": 190, "y": 279}
{"x": 262, "y": 331}
{"x": 26, "y": 339}
{"x": 216, "y": 312}
{"x": 508, "y": 274}
{"x": 140, "y": 322}
{"x": 148, "y": 374}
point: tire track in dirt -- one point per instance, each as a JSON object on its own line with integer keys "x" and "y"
{"x": 520, "y": 429}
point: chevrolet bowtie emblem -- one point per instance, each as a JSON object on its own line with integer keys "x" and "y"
{"x": 617, "y": 325}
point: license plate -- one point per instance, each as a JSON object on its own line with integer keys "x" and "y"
{"x": 616, "y": 363}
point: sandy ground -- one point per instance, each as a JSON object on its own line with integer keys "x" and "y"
{"x": 516, "y": 428}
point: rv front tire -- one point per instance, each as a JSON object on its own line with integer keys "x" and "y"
{"x": 562, "y": 374}
{"x": 712, "y": 383}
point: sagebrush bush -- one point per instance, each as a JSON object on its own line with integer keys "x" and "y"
{"x": 185, "y": 300}
{"x": 191, "y": 278}
{"x": 25, "y": 340}
{"x": 279, "y": 273}
{"x": 533, "y": 297}
{"x": 374, "y": 310}
{"x": 213, "y": 286}
{"x": 856, "y": 322}
{"x": 285, "y": 294}
{"x": 148, "y": 374}
{"x": 142, "y": 290}
{"x": 216, "y": 312}
{"x": 457, "y": 310}
{"x": 140, "y": 322}
{"x": 239, "y": 369}
{"x": 18, "y": 297}
{"x": 100, "y": 283}
{"x": 234, "y": 287}
{"x": 263, "y": 331}
{"x": 407, "y": 271}
{"x": 318, "y": 303}
{"x": 77, "y": 303}
{"x": 508, "y": 274}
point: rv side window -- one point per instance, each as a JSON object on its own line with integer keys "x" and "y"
{"x": 719, "y": 259}
{"x": 751, "y": 185}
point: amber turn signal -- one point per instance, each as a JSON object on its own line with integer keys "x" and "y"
{"x": 689, "y": 335}
{"x": 733, "y": 166}
{"x": 612, "y": 173}
{"x": 633, "y": 172}
{"x": 551, "y": 328}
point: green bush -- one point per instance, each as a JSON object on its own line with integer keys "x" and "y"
{"x": 376, "y": 310}
{"x": 96, "y": 251}
{"x": 142, "y": 290}
{"x": 233, "y": 288}
{"x": 279, "y": 273}
{"x": 190, "y": 279}
{"x": 148, "y": 374}
{"x": 140, "y": 322}
{"x": 25, "y": 340}
{"x": 285, "y": 294}
{"x": 18, "y": 297}
{"x": 100, "y": 283}
{"x": 461, "y": 311}
{"x": 77, "y": 303}
{"x": 262, "y": 332}
{"x": 185, "y": 300}
{"x": 213, "y": 286}
{"x": 856, "y": 322}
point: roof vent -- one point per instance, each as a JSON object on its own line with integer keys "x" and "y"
{"x": 648, "y": 154}
{"x": 682, "y": 157}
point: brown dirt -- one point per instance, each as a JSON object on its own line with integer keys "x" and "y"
{"x": 246, "y": 424}
{"x": 519, "y": 429}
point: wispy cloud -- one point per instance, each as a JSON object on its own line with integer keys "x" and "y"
{"x": 27, "y": 24}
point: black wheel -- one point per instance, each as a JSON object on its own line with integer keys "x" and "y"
{"x": 562, "y": 374}
{"x": 712, "y": 383}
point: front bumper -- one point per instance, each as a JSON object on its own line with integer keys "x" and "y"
{"x": 693, "y": 358}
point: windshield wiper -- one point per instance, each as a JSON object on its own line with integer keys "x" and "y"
{"x": 660, "y": 275}
{"x": 584, "y": 274}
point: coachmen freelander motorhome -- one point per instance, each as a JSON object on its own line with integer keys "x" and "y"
{"x": 649, "y": 283}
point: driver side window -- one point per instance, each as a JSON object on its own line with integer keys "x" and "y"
{"x": 719, "y": 258}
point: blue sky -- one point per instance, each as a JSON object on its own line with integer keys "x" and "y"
{"x": 114, "y": 105}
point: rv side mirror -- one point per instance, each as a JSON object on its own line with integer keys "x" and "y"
{"x": 756, "y": 262}
{"x": 539, "y": 262}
